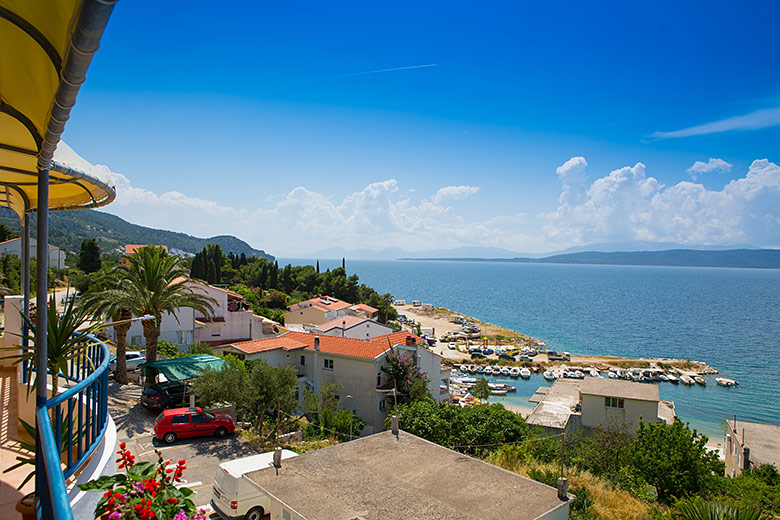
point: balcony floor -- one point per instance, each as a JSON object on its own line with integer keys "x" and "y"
{"x": 9, "y": 448}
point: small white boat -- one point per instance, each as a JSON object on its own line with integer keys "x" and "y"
{"x": 686, "y": 380}
{"x": 525, "y": 373}
{"x": 548, "y": 375}
{"x": 594, "y": 373}
{"x": 514, "y": 372}
{"x": 504, "y": 371}
{"x": 480, "y": 369}
{"x": 672, "y": 378}
{"x": 722, "y": 381}
{"x": 612, "y": 375}
{"x": 663, "y": 377}
{"x": 498, "y": 392}
{"x": 578, "y": 374}
{"x": 700, "y": 380}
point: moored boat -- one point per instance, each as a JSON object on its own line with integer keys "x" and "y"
{"x": 480, "y": 369}
{"x": 525, "y": 373}
{"x": 514, "y": 372}
{"x": 700, "y": 380}
{"x": 672, "y": 378}
{"x": 504, "y": 371}
{"x": 723, "y": 381}
{"x": 686, "y": 380}
{"x": 548, "y": 375}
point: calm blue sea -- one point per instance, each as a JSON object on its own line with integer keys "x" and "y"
{"x": 728, "y": 318}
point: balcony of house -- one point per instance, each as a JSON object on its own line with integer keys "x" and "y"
{"x": 78, "y": 436}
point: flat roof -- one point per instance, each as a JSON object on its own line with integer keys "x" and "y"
{"x": 379, "y": 476}
{"x": 557, "y": 405}
{"x": 605, "y": 387}
{"x": 762, "y": 439}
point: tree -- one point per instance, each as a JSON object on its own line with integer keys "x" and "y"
{"x": 674, "y": 459}
{"x": 254, "y": 391}
{"x": 402, "y": 370}
{"x": 89, "y": 256}
{"x": 481, "y": 390}
{"x": 154, "y": 283}
{"x": 700, "y": 509}
{"x": 106, "y": 298}
{"x": 7, "y": 234}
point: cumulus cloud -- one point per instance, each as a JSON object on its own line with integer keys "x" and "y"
{"x": 454, "y": 192}
{"x": 628, "y": 205}
{"x": 713, "y": 165}
{"x": 623, "y": 205}
{"x": 764, "y": 118}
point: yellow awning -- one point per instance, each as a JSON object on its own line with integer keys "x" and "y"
{"x": 36, "y": 44}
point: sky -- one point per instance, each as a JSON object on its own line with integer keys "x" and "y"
{"x": 302, "y": 126}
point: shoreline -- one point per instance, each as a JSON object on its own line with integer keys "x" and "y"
{"x": 438, "y": 319}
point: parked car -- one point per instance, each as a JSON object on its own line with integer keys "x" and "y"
{"x": 487, "y": 351}
{"x": 133, "y": 359}
{"x": 506, "y": 356}
{"x": 180, "y": 423}
{"x": 166, "y": 395}
{"x": 477, "y": 355}
{"x": 452, "y": 346}
{"x": 234, "y": 496}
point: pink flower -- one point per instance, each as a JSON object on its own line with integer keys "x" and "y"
{"x": 181, "y": 515}
{"x": 116, "y": 515}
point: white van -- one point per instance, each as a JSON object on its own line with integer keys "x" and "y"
{"x": 234, "y": 496}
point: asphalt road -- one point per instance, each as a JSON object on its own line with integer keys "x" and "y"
{"x": 203, "y": 454}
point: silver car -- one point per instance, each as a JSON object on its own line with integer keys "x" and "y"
{"x": 133, "y": 357}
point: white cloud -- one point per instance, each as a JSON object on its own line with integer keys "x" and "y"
{"x": 626, "y": 204}
{"x": 454, "y": 192}
{"x": 713, "y": 165}
{"x": 764, "y": 118}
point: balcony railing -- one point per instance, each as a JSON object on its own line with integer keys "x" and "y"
{"x": 80, "y": 420}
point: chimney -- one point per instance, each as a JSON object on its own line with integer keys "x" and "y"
{"x": 395, "y": 425}
{"x": 409, "y": 341}
{"x": 317, "y": 367}
{"x": 745, "y": 458}
{"x": 316, "y": 343}
{"x": 277, "y": 459}
{"x": 563, "y": 488}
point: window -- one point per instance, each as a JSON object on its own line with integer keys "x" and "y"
{"x": 199, "y": 419}
{"x": 180, "y": 419}
{"x": 327, "y": 364}
{"x": 215, "y": 332}
{"x": 285, "y": 514}
{"x": 613, "y": 402}
{"x": 303, "y": 360}
{"x": 135, "y": 340}
{"x": 382, "y": 405}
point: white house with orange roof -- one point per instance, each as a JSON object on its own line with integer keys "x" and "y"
{"x": 354, "y": 364}
{"x": 14, "y": 247}
{"x": 357, "y": 327}
{"x": 366, "y": 311}
{"x": 316, "y": 311}
{"x": 133, "y": 248}
{"x": 233, "y": 320}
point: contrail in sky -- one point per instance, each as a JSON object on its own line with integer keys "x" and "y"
{"x": 387, "y": 70}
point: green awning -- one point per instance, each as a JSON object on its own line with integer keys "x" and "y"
{"x": 177, "y": 369}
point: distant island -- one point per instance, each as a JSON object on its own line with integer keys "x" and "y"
{"x": 739, "y": 258}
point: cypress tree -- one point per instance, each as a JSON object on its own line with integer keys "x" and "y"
{"x": 89, "y": 256}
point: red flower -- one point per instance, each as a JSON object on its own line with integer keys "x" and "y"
{"x": 173, "y": 500}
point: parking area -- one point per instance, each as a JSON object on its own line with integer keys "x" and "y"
{"x": 203, "y": 455}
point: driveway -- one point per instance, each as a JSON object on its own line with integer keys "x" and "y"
{"x": 203, "y": 455}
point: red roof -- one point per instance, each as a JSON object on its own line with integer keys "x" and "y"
{"x": 367, "y": 308}
{"x": 367, "y": 349}
{"x": 398, "y": 338}
{"x": 132, "y": 248}
{"x": 319, "y": 302}
{"x": 347, "y": 322}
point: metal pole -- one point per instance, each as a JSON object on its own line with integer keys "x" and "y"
{"x": 351, "y": 413}
{"x": 42, "y": 253}
{"x": 25, "y": 270}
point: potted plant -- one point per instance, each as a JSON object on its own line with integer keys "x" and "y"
{"x": 145, "y": 491}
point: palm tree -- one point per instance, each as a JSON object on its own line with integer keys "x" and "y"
{"x": 107, "y": 299}
{"x": 699, "y": 509}
{"x": 155, "y": 282}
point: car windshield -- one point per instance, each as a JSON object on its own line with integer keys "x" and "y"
{"x": 159, "y": 418}
{"x": 211, "y": 416}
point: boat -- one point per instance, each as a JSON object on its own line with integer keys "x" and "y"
{"x": 700, "y": 380}
{"x": 723, "y": 381}
{"x": 612, "y": 375}
{"x": 686, "y": 380}
{"x": 672, "y": 378}
{"x": 578, "y": 374}
{"x": 480, "y": 369}
{"x": 496, "y": 370}
{"x": 514, "y": 372}
{"x": 504, "y": 371}
{"x": 498, "y": 392}
{"x": 594, "y": 373}
{"x": 664, "y": 378}
{"x": 525, "y": 373}
{"x": 548, "y": 375}
{"x": 472, "y": 369}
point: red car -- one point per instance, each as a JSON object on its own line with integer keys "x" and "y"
{"x": 179, "y": 423}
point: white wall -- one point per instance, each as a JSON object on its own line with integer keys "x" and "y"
{"x": 14, "y": 247}
{"x": 367, "y": 329}
{"x": 430, "y": 363}
{"x": 596, "y": 413}
{"x": 179, "y": 333}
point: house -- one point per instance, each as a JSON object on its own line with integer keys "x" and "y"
{"x": 749, "y": 444}
{"x": 400, "y": 475}
{"x": 366, "y": 311}
{"x": 316, "y": 311}
{"x": 354, "y": 364}
{"x": 571, "y": 404}
{"x": 14, "y": 247}
{"x": 133, "y": 248}
{"x": 353, "y": 327}
{"x": 232, "y": 321}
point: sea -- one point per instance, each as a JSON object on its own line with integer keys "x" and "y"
{"x": 727, "y": 317}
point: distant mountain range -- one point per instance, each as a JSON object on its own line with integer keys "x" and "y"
{"x": 68, "y": 228}
{"x": 746, "y": 258}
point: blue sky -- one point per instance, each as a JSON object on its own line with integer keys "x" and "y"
{"x": 272, "y": 122}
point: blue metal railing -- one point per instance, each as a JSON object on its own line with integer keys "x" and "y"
{"x": 80, "y": 421}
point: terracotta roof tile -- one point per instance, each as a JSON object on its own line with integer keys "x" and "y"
{"x": 346, "y": 321}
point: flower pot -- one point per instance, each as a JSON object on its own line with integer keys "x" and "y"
{"x": 26, "y": 506}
